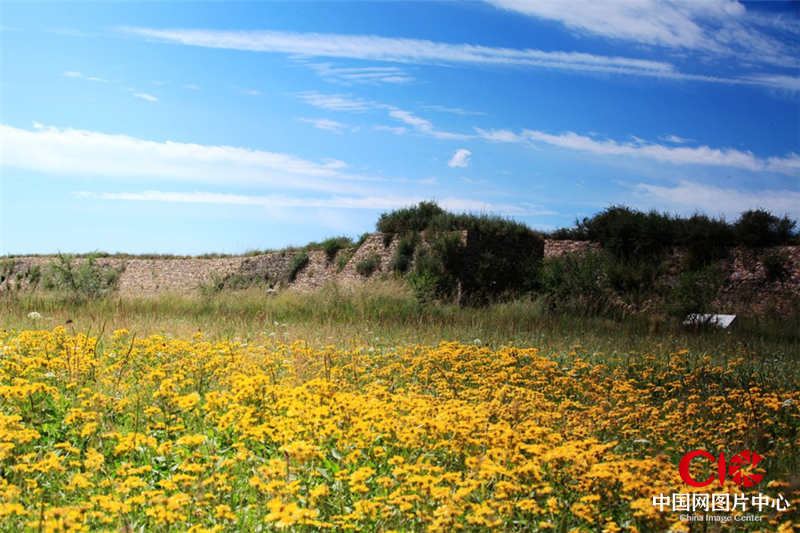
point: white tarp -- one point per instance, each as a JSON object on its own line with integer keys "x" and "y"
{"x": 722, "y": 321}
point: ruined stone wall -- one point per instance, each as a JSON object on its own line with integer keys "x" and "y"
{"x": 746, "y": 288}
{"x": 554, "y": 248}
{"x": 152, "y": 276}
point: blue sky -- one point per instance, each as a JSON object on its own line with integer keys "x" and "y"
{"x": 191, "y": 128}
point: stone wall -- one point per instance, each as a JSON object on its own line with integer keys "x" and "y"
{"x": 152, "y": 276}
{"x": 746, "y": 288}
{"x": 554, "y": 248}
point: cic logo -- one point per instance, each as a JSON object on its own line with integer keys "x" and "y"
{"x": 732, "y": 468}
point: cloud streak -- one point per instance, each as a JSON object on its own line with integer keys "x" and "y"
{"x": 700, "y": 155}
{"x": 420, "y": 51}
{"x": 689, "y": 197}
{"x": 145, "y": 96}
{"x": 337, "y": 102}
{"x": 81, "y": 76}
{"x": 360, "y": 75}
{"x": 325, "y": 124}
{"x": 398, "y": 50}
{"x": 717, "y": 27}
{"x": 67, "y": 151}
{"x": 382, "y": 202}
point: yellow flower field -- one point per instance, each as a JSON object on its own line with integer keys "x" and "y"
{"x": 163, "y": 434}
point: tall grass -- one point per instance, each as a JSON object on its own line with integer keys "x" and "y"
{"x": 386, "y": 313}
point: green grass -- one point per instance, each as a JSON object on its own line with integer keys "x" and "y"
{"x": 386, "y": 313}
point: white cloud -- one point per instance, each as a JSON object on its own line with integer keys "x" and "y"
{"x": 336, "y": 102}
{"x": 499, "y": 135}
{"x": 460, "y": 158}
{"x": 409, "y": 118}
{"x": 675, "y": 139}
{"x": 422, "y": 125}
{"x": 372, "y": 47}
{"x": 363, "y": 75}
{"x": 777, "y": 81}
{"x": 638, "y": 19}
{"x": 397, "y": 130}
{"x": 106, "y": 156}
{"x": 251, "y": 92}
{"x": 689, "y": 197}
{"x": 145, "y": 96}
{"x": 718, "y": 27}
{"x": 79, "y": 75}
{"x": 191, "y": 86}
{"x": 787, "y": 165}
{"x": 452, "y": 110}
{"x": 381, "y": 202}
{"x": 325, "y": 124}
{"x": 700, "y": 155}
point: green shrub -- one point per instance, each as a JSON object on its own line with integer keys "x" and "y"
{"x": 404, "y": 254}
{"x": 501, "y": 257}
{"x": 6, "y": 268}
{"x": 695, "y": 291}
{"x": 633, "y": 277}
{"x": 361, "y": 240}
{"x": 296, "y": 264}
{"x": 81, "y": 279}
{"x": 344, "y": 257}
{"x": 575, "y": 282}
{"x": 776, "y": 266}
{"x": 707, "y": 240}
{"x": 759, "y": 228}
{"x": 34, "y": 275}
{"x": 332, "y": 246}
{"x": 368, "y": 265}
{"x": 629, "y": 234}
{"x": 411, "y": 219}
{"x": 430, "y": 280}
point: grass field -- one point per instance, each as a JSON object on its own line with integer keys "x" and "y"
{"x": 367, "y": 411}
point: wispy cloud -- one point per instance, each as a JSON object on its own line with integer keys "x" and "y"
{"x": 191, "y": 86}
{"x": 397, "y": 130}
{"x": 675, "y": 139}
{"x": 336, "y": 102}
{"x": 689, "y": 197}
{"x": 105, "y": 156}
{"x": 700, "y": 155}
{"x": 460, "y": 158}
{"x": 325, "y": 124}
{"x": 79, "y": 75}
{"x": 376, "y": 48}
{"x": 382, "y": 202}
{"x": 777, "y": 81}
{"x": 422, "y": 125}
{"x": 145, "y": 96}
{"x": 718, "y": 27}
{"x": 360, "y": 75}
{"x": 452, "y": 110}
{"x": 505, "y": 136}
